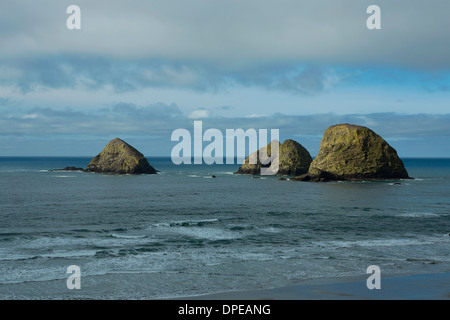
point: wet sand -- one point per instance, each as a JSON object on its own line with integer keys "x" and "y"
{"x": 435, "y": 286}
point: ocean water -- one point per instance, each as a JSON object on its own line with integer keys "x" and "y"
{"x": 181, "y": 232}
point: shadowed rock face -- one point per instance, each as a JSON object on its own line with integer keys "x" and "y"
{"x": 294, "y": 159}
{"x": 350, "y": 152}
{"x": 119, "y": 157}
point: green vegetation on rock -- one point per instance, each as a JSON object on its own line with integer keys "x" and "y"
{"x": 351, "y": 152}
{"x": 293, "y": 159}
{"x": 119, "y": 157}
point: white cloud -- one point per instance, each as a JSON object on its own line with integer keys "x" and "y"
{"x": 29, "y": 116}
{"x": 199, "y": 114}
{"x": 256, "y": 115}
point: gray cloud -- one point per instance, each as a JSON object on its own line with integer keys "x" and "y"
{"x": 4, "y": 101}
{"x": 201, "y": 45}
{"x": 158, "y": 110}
{"x": 232, "y": 33}
{"x": 155, "y": 123}
{"x": 160, "y": 117}
{"x": 95, "y": 72}
{"x": 121, "y": 118}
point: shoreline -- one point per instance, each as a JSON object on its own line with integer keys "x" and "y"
{"x": 427, "y": 286}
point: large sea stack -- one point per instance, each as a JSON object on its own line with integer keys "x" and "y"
{"x": 119, "y": 157}
{"x": 351, "y": 152}
{"x": 294, "y": 159}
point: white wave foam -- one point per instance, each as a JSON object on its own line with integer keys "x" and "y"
{"x": 193, "y": 228}
{"x": 421, "y": 215}
{"x": 181, "y": 223}
{"x": 384, "y": 242}
{"x": 209, "y": 233}
{"x": 60, "y": 244}
{"x": 122, "y": 236}
{"x": 10, "y": 256}
{"x": 70, "y": 254}
{"x": 271, "y": 230}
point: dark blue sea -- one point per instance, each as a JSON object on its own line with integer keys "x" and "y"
{"x": 182, "y": 233}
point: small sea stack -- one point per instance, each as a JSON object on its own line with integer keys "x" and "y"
{"x": 293, "y": 159}
{"x": 118, "y": 157}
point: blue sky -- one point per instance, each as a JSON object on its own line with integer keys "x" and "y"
{"x": 139, "y": 70}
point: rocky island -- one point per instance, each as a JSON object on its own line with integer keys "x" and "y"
{"x": 294, "y": 159}
{"x": 118, "y": 157}
{"x": 351, "y": 152}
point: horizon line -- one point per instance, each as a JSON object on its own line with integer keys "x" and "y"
{"x": 192, "y": 158}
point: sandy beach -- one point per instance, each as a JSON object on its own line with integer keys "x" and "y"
{"x": 433, "y": 286}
